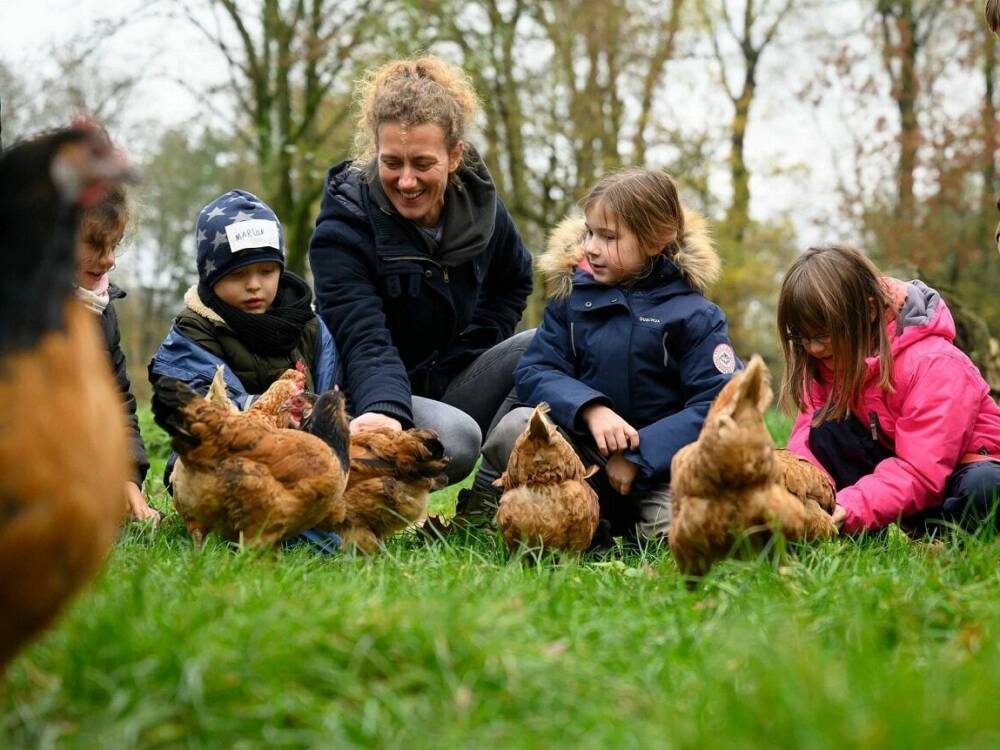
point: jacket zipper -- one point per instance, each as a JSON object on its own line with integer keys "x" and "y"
{"x": 873, "y": 423}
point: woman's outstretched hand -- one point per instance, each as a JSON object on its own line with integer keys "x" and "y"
{"x": 611, "y": 433}
{"x": 371, "y": 420}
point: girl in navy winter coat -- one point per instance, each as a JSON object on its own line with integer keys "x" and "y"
{"x": 630, "y": 353}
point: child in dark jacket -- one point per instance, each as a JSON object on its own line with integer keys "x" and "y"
{"x": 246, "y": 313}
{"x": 889, "y": 407}
{"x": 630, "y": 353}
{"x": 102, "y": 227}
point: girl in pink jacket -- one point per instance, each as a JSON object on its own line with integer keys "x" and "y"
{"x": 889, "y": 407}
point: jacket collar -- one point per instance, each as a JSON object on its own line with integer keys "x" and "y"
{"x": 697, "y": 262}
{"x": 194, "y": 303}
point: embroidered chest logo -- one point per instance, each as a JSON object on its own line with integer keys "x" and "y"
{"x": 724, "y": 359}
{"x": 648, "y": 320}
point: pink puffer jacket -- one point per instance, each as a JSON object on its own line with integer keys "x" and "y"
{"x": 939, "y": 416}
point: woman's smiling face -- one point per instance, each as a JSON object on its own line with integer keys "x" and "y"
{"x": 414, "y": 165}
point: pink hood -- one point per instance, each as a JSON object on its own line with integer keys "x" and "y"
{"x": 940, "y": 414}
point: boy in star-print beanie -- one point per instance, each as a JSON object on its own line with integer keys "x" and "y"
{"x": 246, "y": 310}
{"x": 235, "y": 230}
{"x": 246, "y": 313}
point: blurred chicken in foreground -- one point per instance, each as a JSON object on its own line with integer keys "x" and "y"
{"x": 64, "y": 459}
{"x": 730, "y": 487}
{"x": 547, "y": 501}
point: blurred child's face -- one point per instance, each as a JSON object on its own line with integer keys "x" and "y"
{"x": 612, "y": 251}
{"x": 94, "y": 260}
{"x": 250, "y": 288}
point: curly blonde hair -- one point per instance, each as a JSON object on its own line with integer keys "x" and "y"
{"x": 413, "y": 92}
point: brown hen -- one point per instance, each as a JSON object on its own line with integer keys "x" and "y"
{"x": 392, "y": 474}
{"x": 547, "y": 501}
{"x": 64, "y": 457}
{"x": 729, "y": 486}
{"x": 279, "y": 405}
{"x": 246, "y": 479}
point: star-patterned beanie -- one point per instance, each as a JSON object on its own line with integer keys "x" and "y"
{"x": 235, "y": 230}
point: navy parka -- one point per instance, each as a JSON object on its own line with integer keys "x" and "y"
{"x": 405, "y": 322}
{"x": 656, "y": 353}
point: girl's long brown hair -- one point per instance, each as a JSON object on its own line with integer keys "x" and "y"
{"x": 836, "y": 291}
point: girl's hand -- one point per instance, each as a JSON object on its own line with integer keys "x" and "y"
{"x": 138, "y": 508}
{"x": 621, "y": 473}
{"x": 371, "y": 420}
{"x": 839, "y": 516}
{"x": 611, "y": 433}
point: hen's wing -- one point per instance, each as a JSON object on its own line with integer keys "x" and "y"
{"x": 805, "y": 481}
{"x": 403, "y": 454}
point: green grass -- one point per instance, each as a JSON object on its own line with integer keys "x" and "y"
{"x": 880, "y": 642}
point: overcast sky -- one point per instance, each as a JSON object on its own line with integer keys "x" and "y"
{"x": 794, "y": 148}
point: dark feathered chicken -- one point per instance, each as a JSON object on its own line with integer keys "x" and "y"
{"x": 64, "y": 458}
{"x": 392, "y": 474}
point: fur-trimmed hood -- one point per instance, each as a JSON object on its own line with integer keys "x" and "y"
{"x": 194, "y": 303}
{"x": 697, "y": 259}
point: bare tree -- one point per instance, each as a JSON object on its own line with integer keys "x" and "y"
{"x": 290, "y": 70}
{"x": 751, "y": 31}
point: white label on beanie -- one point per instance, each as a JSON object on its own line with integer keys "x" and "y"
{"x": 253, "y": 233}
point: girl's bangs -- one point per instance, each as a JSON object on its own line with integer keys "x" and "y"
{"x": 806, "y": 309}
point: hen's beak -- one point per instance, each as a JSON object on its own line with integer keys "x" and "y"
{"x": 84, "y": 169}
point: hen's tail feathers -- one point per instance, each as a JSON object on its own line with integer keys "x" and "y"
{"x": 329, "y": 422}
{"x": 170, "y": 397}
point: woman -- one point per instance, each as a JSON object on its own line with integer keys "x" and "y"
{"x": 420, "y": 273}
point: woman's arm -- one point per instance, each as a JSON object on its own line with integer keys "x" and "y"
{"x": 350, "y": 305}
{"x": 505, "y": 289}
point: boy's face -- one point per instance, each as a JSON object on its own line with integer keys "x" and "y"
{"x": 612, "y": 251}
{"x": 250, "y": 288}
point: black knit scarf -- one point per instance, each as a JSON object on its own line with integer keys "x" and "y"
{"x": 276, "y": 331}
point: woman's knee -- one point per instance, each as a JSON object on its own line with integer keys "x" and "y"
{"x": 457, "y": 431}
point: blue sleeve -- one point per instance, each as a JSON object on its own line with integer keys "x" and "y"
{"x": 326, "y": 368}
{"x": 180, "y": 357}
{"x": 547, "y": 371}
{"x": 706, "y": 365}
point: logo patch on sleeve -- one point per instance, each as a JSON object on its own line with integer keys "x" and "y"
{"x": 724, "y": 359}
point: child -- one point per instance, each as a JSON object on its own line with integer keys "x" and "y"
{"x": 246, "y": 313}
{"x": 630, "y": 353}
{"x": 889, "y": 407}
{"x": 102, "y": 227}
